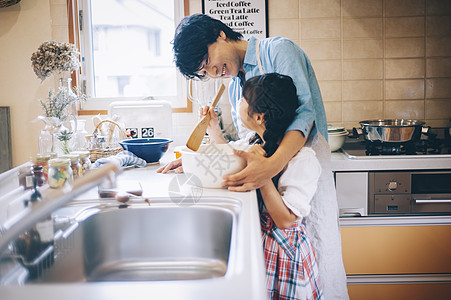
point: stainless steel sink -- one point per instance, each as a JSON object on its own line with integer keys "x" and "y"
{"x": 139, "y": 242}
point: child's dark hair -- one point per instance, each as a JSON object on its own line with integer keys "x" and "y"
{"x": 275, "y": 96}
{"x": 192, "y": 37}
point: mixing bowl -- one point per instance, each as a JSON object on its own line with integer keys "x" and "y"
{"x": 211, "y": 162}
{"x": 149, "y": 149}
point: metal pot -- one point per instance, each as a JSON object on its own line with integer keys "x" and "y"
{"x": 392, "y": 130}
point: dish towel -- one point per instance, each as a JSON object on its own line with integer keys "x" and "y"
{"x": 124, "y": 159}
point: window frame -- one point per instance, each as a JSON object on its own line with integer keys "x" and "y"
{"x": 74, "y": 17}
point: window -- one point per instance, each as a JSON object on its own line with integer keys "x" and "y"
{"x": 126, "y": 49}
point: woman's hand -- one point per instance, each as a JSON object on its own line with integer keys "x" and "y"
{"x": 175, "y": 165}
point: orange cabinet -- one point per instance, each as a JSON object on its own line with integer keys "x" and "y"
{"x": 397, "y": 262}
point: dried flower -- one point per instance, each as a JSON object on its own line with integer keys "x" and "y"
{"x": 57, "y": 103}
{"x": 53, "y": 57}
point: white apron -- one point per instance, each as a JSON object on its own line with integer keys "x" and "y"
{"x": 322, "y": 222}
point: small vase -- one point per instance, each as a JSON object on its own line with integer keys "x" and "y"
{"x": 49, "y": 139}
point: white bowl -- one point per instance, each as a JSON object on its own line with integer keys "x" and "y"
{"x": 336, "y": 141}
{"x": 211, "y": 162}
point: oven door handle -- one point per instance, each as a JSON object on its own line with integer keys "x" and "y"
{"x": 432, "y": 201}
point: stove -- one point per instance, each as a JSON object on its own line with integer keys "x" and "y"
{"x": 374, "y": 178}
{"x": 437, "y": 142}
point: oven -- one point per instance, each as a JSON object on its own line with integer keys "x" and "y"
{"x": 409, "y": 192}
{"x": 398, "y": 183}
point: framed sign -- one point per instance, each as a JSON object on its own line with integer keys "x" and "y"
{"x": 247, "y": 17}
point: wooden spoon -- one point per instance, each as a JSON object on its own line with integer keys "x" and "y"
{"x": 198, "y": 133}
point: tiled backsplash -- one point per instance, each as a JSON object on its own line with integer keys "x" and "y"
{"x": 374, "y": 59}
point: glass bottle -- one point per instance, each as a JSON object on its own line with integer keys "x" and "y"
{"x": 42, "y": 160}
{"x": 39, "y": 175}
{"x": 60, "y": 172}
{"x": 85, "y": 161}
{"x": 74, "y": 163}
{"x": 26, "y": 177}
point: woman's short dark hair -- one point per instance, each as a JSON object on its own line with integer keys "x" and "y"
{"x": 192, "y": 37}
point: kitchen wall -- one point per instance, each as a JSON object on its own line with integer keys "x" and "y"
{"x": 373, "y": 59}
{"x": 23, "y": 27}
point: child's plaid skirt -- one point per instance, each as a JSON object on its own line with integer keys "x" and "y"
{"x": 291, "y": 268}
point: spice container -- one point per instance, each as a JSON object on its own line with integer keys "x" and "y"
{"x": 43, "y": 160}
{"x": 60, "y": 172}
{"x": 39, "y": 175}
{"x": 74, "y": 163}
{"x": 85, "y": 161}
{"x": 26, "y": 177}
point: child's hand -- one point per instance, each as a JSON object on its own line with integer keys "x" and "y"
{"x": 175, "y": 165}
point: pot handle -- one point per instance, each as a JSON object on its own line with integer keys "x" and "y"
{"x": 425, "y": 130}
{"x": 356, "y": 132}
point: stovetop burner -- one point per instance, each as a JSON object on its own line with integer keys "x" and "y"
{"x": 437, "y": 142}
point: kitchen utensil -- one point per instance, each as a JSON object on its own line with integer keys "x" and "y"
{"x": 336, "y": 140}
{"x": 392, "y": 130}
{"x": 211, "y": 162}
{"x": 150, "y": 149}
{"x": 198, "y": 133}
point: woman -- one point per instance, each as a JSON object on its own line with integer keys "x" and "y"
{"x": 205, "y": 47}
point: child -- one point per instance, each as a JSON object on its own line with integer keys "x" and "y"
{"x": 291, "y": 267}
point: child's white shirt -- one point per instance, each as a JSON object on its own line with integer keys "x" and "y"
{"x": 299, "y": 181}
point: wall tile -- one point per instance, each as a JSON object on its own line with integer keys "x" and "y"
{"x": 333, "y": 111}
{"x": 439, "y": 25}
{"x": 404, "y": 7}
{"x": 438, "y": 109}
{"x": 356, "y": 111}
{"x": 327, "y": 69}
{"x": 404, "y": 27}
{"x": 438, "y": 46}
{"x": 402, "y": 109}
{"x": 404, "y": 47}
{"x": 362, "y": 69}
{"x": 362, "y": 8}
{"x": 438, "y": 88}
{"x": 438, "y": 67}
{"x": 320, "y": 28}
{"x": 362, "y": 49}
{"x": 362, "y": 90}
{"x": 404, "y": 89}
{"x": 318, "y": 8}
{"x": 362, "y": 28}
{"x": 438, "y": 123}
{"x": 439, "y": 7}
{"x": 289, "y": 9}
{"x": 404, "y": 68}
{"x": 322, "y": 49}
{"x": 330, "y": 90}
{"x": 288, "y": 28}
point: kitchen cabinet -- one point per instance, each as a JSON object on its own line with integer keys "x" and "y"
{"x": 398, "y": 261}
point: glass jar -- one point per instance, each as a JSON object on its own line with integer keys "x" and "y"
{"x": 26, "y": 177}
{"x": 39, "y": 175}
{"x": 60, "y": 172}
{"x": 42, "y": 160}
{"x": 85, "y": 161}
{"x": 74, "y": 163}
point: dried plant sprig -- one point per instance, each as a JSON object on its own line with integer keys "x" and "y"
{"x": 54, "y": 57}
{"x": 57, "y": 103}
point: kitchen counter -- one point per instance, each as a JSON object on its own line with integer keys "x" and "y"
{"x": 245, "y": 281}
{"x": 342, "y": 163}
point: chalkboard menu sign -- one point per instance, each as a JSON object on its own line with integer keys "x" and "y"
{"x": 247, "y": 17}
